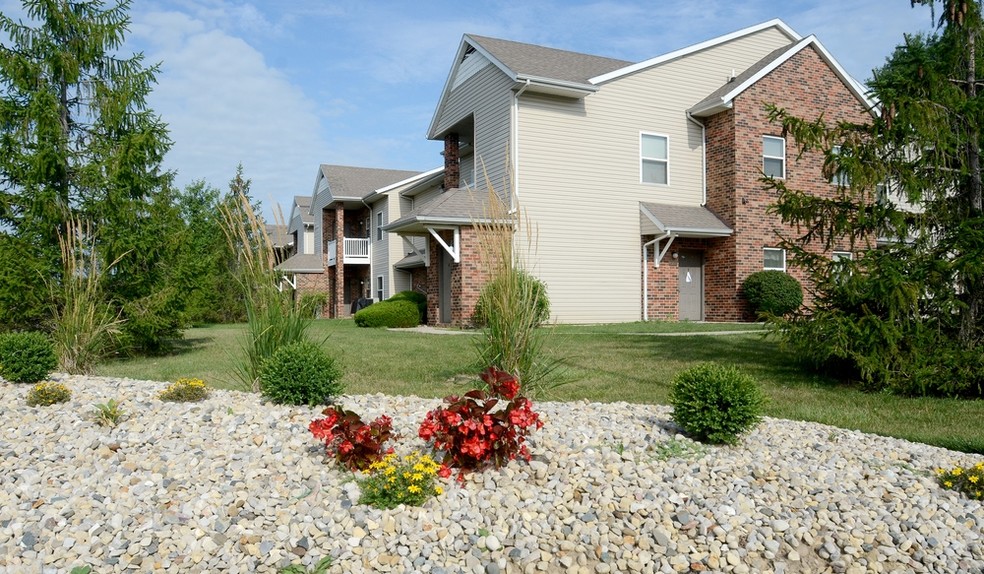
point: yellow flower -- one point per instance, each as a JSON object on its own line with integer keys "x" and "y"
{"x": 417, "y": 477}
{"x": 390, "y": 471}
{"x": 948, "y": 484}
{"x": 940, "y": 471}
{"x": 438, "y": 490}
{"x": 419, "y": 467}
{"x": 957, "y": 471}
{"x": 391, "y": 479}
{"x": 973, "y": 478}
{"x": 413, "y": 488}
{"x": 406, "y": 475}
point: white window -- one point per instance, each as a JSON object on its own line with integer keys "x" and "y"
{"x": 840, "y": 177}
{"x": 839, "y": 255}
{"x": 774, "y": 258}
{"x": 379, "y": 226}
{"x": 654, "y": 153}
{"x": 774, "y": 157}
{"x": 379, "y": 288}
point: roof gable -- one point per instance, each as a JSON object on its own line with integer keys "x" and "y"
{"x": 723, "y": 98}
{"x": 355, "y": 183}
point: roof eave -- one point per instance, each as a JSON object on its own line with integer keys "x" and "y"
{"x": 551, "y": 86}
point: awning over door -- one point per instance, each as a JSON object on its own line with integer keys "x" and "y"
{"x": 680, "y": 221}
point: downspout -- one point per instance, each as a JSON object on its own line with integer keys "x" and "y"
{"x": 645, "y": 274}
{"x": 515, "y": 146}
{"x": 703, "y": 158}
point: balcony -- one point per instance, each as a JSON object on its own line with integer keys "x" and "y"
{"x": 355, "y": 251}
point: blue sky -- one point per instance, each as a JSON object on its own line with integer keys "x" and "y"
{"x": 285, "y": 85}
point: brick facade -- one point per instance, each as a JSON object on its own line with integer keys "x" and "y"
{"x": 806, "y": 87}
{"x": 467, "y": 278}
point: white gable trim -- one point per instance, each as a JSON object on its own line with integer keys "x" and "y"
{"x": 727, "y": 99}
{"x": 777, "y": 23}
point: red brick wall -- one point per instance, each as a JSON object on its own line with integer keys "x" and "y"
{"x": 467, "y": 278}
{"x": 806, "y": 87}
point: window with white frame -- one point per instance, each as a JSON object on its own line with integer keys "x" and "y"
{"x": 379, "y": 288}
{"x": 842, "y": 255}
{"x": 654, "y": 151}
{"x": 840, "y": 177}
{"x": 379, "y": 226}
{"x": 774, "y": 258}
{"x": 774, "y": 157}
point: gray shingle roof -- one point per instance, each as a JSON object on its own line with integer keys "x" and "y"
{"x": 540, "y": 61}
{"x": 278, "y": 235}
{"x": 684, "y": 220}
{"x": 359, "y": 182}
{"x": 455, "y": 206}
{"x": 302, "y": 263}
{"x": 716, "y": 96}
{"x": 303, "y": 203}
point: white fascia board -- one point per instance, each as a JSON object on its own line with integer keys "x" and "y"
{"x": 410, "y": 180}
{"x": 574, "y": 89}
{"x": 466, "y": 42}
{"x": 785, "y": 29}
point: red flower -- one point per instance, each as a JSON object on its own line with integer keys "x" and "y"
{"x": 444, "y": 471}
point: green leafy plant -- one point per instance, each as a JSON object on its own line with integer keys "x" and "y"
{"x": 772, "y": 292}
{"x": 676, "y": 448}
{"x": 484, "y": 427}
{"x": 26, "y": 357}
{"x": 300, "y": 373}
{"x": 47, "y": 393}
{"x": 312, "y": 304}
{"x": 109, "y": 414}
{"x": 81, "y": 570}
{"x": 321, "y": 567}
{"x": 394, "y": 481}
{"x": 185, "y": 391}
{"x": 715, "y": 403}
{"x": 969, "y": 481}
{"x": 349, "y": 440}
{"x": 401, "y": 313}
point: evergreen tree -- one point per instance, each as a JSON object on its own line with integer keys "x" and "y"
{"x": 78, "y": 142}
{"x": 908, "y": 313}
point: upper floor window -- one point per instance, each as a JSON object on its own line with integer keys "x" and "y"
{"x": 379, "y": 226}
{"x": 774, "y": 157}
{"x": 654, "y": 153}
{"x": 840, "y": 177}
{"x": 774, "y": 258}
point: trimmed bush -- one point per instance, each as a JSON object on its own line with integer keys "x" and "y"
{"x": 715, "y": 404}
{"x": 772, "y": 293}
{"x": 300, "y": 373}
{"x": 418, "y": 298}
{"x": 394, "y": 314}
{"x": 26, "y": 357}
{"x": 528, "y": 287}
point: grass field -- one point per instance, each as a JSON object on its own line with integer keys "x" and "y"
{"x": 606, "y": 363}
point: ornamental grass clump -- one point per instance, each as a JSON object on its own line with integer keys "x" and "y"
{"x": 47, "y": 393}
{"x": 349, "y": 440}
{"x": 485, "y": 427}
{"x": 969, "y": 481}
{"x": 410, "y": 480}
{"x": 185, "y": 391}
{"x": 715, "y": 404}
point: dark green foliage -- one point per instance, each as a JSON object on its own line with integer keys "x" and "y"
{"x": 300, "y": 373}
{"x": 531, "y": 291}
{"x": 26, "y": 357}
{"x": 394, "y": 314}
{"x": 153, "y": 323}
{"x": 715, "y": 404}
{"x": 23, "y": 292}
{"x": 772, "y": 292}
{"x": 908, "y": 315}
{"x": 418, "y": 298}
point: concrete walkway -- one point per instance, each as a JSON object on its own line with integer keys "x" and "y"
{"x": 446, "y": 331}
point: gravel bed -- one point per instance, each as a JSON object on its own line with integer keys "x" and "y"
{"x": 232, "y": 484}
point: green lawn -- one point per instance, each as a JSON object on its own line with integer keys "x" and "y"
{"x": 601, "y": 363}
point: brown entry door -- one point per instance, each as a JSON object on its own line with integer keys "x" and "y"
{"x": 444, "y": 287}
{"x": 691, "y": 285}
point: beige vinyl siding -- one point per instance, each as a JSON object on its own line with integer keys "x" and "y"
{"x": 487, "y": 96}
{"x": 579, "y": 174}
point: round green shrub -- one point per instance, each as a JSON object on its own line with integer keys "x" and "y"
{"x": 772, "y": 292}
{"x": 300, "y": 373}
{"x": 418, "y": 299}
{"x": 715, "y": 404}
{"x": 26, "y": 357}
{"x": 393, "y": 314}
{"x": 48, "y": 393}
{"x": 529, "y": 292}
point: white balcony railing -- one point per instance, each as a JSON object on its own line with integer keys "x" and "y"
{"x": 355, "y": 250}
